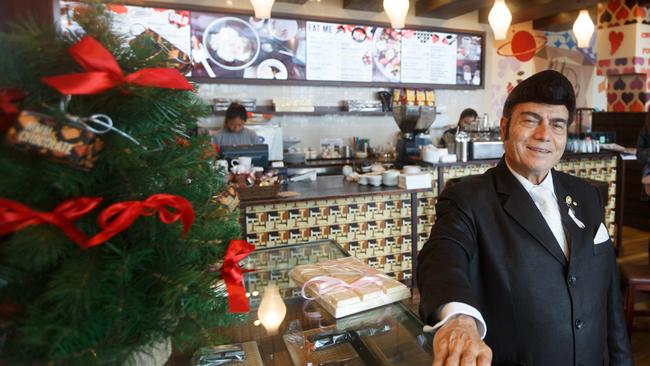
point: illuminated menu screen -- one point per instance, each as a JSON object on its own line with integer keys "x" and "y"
{"x": 209, "y": 45}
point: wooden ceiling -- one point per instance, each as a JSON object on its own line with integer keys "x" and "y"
{"x": 551, "y": 15}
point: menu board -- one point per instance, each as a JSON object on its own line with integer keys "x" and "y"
{"x": 229, "y": 47}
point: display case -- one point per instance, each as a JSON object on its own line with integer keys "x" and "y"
{"x": 388, "y": 335}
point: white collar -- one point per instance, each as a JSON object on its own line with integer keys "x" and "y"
{"x": 528, "y": 185}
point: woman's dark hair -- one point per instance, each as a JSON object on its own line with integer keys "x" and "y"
{"x": 467, "y": 112}
{"x": 236, "y": 110}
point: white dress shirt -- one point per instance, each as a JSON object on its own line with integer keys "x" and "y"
{"x": 554, "y": 221}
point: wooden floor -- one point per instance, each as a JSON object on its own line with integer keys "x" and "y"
{"x": 635, "y": 250}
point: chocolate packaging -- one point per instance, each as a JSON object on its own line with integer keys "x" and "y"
{"x": 347, "y": 286}
{"x": 62, "y": 142}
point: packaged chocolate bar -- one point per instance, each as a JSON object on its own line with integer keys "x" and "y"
{"x": 59, "y": 141}
{"x": 219, "y": 355}
{"x": 326, "y": 340}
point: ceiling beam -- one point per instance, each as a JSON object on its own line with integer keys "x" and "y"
{"x": 447, "y": 9}
{"x": 561, "y": 21}
{"x": 366, "y": 5}
{"x": 525, "y": 10}
{"x": 301, "y": 2}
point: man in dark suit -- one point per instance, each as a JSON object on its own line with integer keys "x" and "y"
{"x": 519, "y": 268}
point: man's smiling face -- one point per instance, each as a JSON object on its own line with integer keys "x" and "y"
{"x": 536, "y": 138}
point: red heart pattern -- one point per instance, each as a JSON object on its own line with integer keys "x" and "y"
{"x": 615, "y": 41}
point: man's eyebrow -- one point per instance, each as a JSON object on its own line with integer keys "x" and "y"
{"x": 539, "y": 118}
{"x": 532, "y": 114}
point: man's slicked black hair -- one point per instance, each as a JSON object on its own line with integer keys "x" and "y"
{"x": 546, "y": 87}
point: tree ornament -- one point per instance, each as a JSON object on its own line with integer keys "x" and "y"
{"x": 62, "y": 142}
{"x": 233, "y": 275}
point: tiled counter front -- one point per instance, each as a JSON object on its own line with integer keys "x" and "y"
{"x": 377, "y": 227}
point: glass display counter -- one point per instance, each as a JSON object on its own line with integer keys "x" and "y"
{"x": 388, "y": 335}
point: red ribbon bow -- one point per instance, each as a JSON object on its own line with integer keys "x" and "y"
{"x": 104, "y": 73}
{"x": 15, "y": 216}
{"x": 119, "y": 216}
{"x": 233, "y": 275}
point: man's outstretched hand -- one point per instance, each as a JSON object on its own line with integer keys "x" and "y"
{"x": 457, "y": 343}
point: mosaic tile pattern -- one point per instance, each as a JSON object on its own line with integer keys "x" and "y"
{"x": 628, "y": 93}
{"x": 375, "y": 228}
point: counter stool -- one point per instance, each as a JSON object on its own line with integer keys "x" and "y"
{"x": 635, "y": 277}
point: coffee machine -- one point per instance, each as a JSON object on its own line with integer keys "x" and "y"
{"x": 411, "y": 120}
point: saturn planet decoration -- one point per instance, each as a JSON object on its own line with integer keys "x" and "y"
{"x": 522, "y": 46}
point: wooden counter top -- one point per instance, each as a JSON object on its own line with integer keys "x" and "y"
{"x": 327, "y": 187}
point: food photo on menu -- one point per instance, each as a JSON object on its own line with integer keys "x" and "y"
{"x": 387, "y": 55}
{"x": 468, "y": 64}
{"x": 239, "y": 46}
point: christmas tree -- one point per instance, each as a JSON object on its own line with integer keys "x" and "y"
{"x": 110, "y": 271}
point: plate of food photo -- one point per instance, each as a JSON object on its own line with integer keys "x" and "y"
{"x": 387, "y": 52}
{"x": 232, "y": 43}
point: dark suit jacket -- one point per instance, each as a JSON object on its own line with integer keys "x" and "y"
{"x": 491, "y": 248}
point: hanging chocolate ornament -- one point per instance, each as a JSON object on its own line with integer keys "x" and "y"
{"x": 62, "y": 142}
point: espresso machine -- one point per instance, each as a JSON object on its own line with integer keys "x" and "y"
{"x": 411, "y": 120}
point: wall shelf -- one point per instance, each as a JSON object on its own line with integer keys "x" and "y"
{"x": 318, "y": 111}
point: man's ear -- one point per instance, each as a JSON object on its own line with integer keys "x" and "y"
{"x": 504, "y": 128}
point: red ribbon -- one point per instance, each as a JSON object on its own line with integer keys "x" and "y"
{"x": 9, "y": 110}
{"x": 104, "y": 73}
{"x": 233, "y": 275}
{"x": 119, "y": 216}
{"x": 15, "y": 216}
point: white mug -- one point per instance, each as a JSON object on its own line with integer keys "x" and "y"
{"x": 245, "y": 161}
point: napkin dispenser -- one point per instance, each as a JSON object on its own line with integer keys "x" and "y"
{"x": 485, "y": 150}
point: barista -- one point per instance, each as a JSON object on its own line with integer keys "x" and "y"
{"x": 467, "y": 116}
{"x": 233, "y": 131}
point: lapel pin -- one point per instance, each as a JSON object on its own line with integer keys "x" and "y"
{"x": 568, "y": 200}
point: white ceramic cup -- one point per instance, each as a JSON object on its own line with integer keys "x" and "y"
{"x": 389, "y": 178}
{"x": 363, "y": 180}
{"x": 374, "y": 180}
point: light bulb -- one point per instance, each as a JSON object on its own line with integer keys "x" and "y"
{"x": 396, "y": 11}
{"x": 583, "y": 28}
{"x": 272, "y": 309}
{"x": 262, "y": 8}
{"x": 499, "y": 19}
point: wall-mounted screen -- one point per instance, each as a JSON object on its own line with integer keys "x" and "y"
{"x": 225, "y": 47}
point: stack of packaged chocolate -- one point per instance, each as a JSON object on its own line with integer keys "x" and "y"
{"x": 347, "y": 286}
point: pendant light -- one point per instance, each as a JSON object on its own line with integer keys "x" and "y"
{"x": 499, "y": 19}
{"x": 272, "y": 310}
{"x": 262, "y": 8}
{"x": 583, "y": 29}
{"x": 396, "y": 11}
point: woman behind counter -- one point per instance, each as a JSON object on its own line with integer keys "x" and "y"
{"x": 466, "y": 118}
{"x": 233, "y": 131}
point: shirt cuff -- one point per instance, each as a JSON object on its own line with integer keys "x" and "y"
{"x": 456, "y": 308}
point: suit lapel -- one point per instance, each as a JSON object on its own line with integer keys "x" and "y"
{"x": 522, "y": 209}
{"x": 571, "y": 229}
